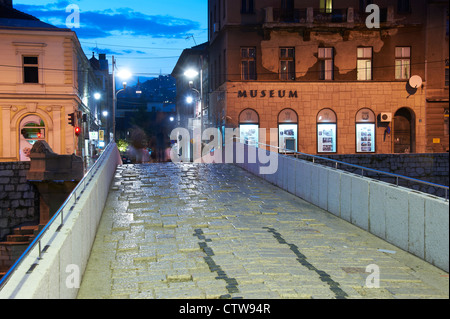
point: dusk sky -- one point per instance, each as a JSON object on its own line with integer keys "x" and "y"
{"x": 147, "y": 37}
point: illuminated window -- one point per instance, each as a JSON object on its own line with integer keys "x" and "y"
{"x": 287, "y": 64}
{"x": 402, "y": 63}
{"x": 326, "y": 6}
{"x": 326, "y": 131}
{"x": 249, "y": 127}
{"x": 364, "y": 64}
{"x": 365, "y": 131}
{"x": 326, "y": 63}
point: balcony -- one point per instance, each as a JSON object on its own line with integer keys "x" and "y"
{"x": 309, "y": 17}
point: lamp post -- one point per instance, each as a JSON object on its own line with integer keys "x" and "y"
{"x": 124, "y": 74}
{"x": 191, "y": 74}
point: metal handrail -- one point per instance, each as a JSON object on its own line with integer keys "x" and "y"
{"x": 363, "y": 169}
{"x": 81, "y": 186}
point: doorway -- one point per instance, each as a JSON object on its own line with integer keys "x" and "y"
{"x": 404, "y": 131}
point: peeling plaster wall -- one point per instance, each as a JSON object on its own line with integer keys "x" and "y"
{"x": 306, "y": 51}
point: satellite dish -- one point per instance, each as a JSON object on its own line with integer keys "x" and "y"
{"x": 415, "y": 81}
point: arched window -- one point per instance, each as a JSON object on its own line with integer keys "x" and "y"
{"x": 365, "y": 131}
{"x": 326, "y": 131}
{"x": 249, "y": 127}
{"x": 32, "y": 129}
{"x": 287, "y": 130}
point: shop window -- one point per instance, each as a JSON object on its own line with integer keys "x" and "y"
{"x": 402, "y": 63}
{"x": 326, "y": 131}
{"x": 249, "y": 127}
{"x": 365, "y": 131}
{"x": 287, "y": 131}
{"x": 30, "y": 69}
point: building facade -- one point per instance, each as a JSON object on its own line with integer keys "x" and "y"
{"x": 47, "y": 88}
{"x": 327, "y": 77}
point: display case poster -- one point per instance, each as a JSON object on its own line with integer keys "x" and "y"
{"x": 287, "y": 137}
{"x": 249, "y": 134}
{"x": 365, "y": 138}
{"x": 326, "y": 134}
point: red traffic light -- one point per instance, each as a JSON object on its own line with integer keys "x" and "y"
{"x": 77, "y": 131}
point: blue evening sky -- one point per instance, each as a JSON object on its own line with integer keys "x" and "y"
{"x": 146, "y": 37}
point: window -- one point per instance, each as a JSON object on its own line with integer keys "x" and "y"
{"x": 402, "y": 63}
{"x": 326, "y": 6}
{"x": 248, "y": 64}
{"x": 326, "y": 131}
{"x": 365, "y": 131}
{"x": 287, "y": 131}
{"x": 249, "y": 127}
{"x": 32, "y": 129}
{"x": 403, "y": 6}
{"x": 247, "y": 6}
{"x": 326, "y": 63}
{"x": 30, "y": 69}
{"x": 364, "y": 64}
{"x": 287, "y": 64}
{"x": 363, "y": 4}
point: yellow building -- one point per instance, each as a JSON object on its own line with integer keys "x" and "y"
{"x": 44, "y": 78}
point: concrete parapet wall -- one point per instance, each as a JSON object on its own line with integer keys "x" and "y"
{"x": 411, "y": 220}
{"x": 65, "y": 259}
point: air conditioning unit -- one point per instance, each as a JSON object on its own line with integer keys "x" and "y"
{"x": 386, "y": 117}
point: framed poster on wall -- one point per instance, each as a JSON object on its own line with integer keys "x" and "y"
{"x": 365, "y": 131}
{"x": 288, "y": 137}
{"x": 326, "y": 138}
{"x": 326, "y": 131}
{"x": 249, "y": 134}
{"x": 365, "y": 138}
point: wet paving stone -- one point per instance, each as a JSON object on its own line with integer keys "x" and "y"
{"x": 216, "y": 231}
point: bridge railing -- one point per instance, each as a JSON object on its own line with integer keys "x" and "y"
{"x": 362, "y": 169}
{"x": 35, "y": 252}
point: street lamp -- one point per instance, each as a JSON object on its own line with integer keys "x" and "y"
{"x": 191, "y": 74}
{"x": 124, "y": 75}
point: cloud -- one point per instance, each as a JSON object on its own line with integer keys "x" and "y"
{"x": 113, "y": 22}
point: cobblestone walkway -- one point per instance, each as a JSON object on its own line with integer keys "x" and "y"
{"x": 215, "y": 231}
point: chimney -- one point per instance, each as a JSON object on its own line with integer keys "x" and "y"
{"x": 6, "y": 3}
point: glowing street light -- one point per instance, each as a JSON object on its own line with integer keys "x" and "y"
{"x": 190, "y": 73}
{"x": 124, "y": 74}
{"x": 97, "y": 96}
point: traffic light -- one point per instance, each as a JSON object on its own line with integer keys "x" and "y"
{"x": 72, "y": 119}
{"x": 77, "y": 131}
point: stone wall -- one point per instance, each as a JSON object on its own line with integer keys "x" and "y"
{"x": 19, "y": 200}
{"x": 430, "y": 167}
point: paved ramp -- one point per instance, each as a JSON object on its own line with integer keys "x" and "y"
{"x": 216, "y": 231}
